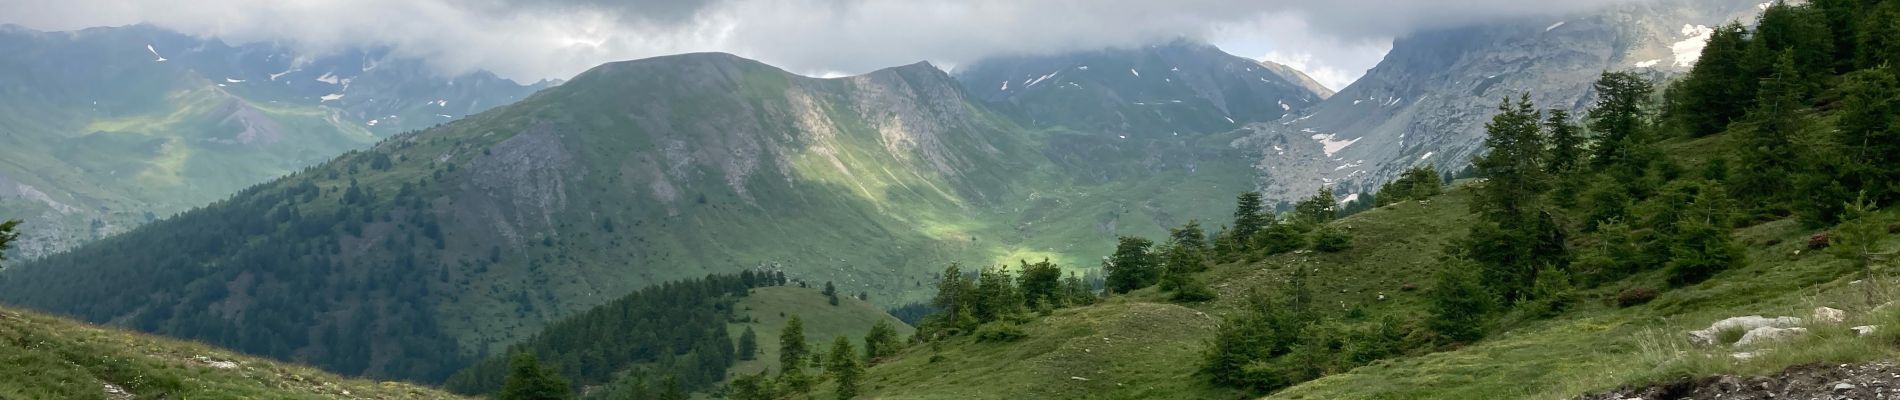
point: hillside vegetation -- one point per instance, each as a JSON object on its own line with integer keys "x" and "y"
{"x": 44, "y": 357}
{"x": 1576, "y": 264}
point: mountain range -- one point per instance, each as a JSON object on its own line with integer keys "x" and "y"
{"x": 1426, "y": 103}
{"x": 448, "y": 242}
{"x": 105, "y": 129}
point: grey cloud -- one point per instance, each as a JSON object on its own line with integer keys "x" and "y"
{"x": 526, "y": 39}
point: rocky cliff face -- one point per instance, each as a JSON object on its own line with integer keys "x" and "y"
{"x": 1428, "y": 101}
{"x": 1180, "y": 87}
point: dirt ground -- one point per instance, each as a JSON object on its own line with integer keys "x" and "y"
{"x": 1863, "y": 381}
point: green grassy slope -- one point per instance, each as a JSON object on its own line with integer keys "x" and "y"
{"x": 1593, "y": 346}
{"x": 769, "y": 308}
{"x": 44, "y": 357}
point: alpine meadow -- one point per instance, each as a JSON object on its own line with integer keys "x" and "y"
{"x": 769, "y": 200}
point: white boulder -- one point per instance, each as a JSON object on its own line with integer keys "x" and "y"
{"x": 1769, "y": 334}
{"x": 1864, "y": 330}
{"x": 1706, "y": 337}
{"x": 1829, "y": 315}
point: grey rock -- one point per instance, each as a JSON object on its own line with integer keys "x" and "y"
{"x": 1744, "y": 323}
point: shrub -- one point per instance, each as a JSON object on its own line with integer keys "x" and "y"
{"x": 1819, "y": 241}
{"x": 1331, "y": 240}
{"x": 1193, "y": 291}
{"x": 1000, "y": 332}
{"x": 1635, "y": 296}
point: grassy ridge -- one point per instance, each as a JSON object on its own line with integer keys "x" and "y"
{"x": 769, "y": 308}
{"x": 51, "y": 358}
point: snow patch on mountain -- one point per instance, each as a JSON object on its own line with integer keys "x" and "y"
{"x": 154, "y": 53}
{"x": 1689, "y": 50}
{"x": 1332, "y": 144}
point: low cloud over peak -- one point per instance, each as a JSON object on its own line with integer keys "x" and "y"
{"x": 1334, "y": 40}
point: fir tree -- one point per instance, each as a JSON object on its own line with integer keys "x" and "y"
{"x": 529, "y": 380}
{"x": 1041, "y": 284}
{"x": 1417, "y": 183}
{"x": 1878, "y": 41}
{"x": 1250, "y": 216}
{"x": 1566, "y": 143}
{"x": 1459, "y": 303}
{"x": 1701, "y": 245}
{"x": 670, "y": 389}
{"x": 881, "y": 342}
{"x": 1708, "y": 100}
{"x": 748, "y": 344}
{"x": 1516, "y": 237}
{"x": 845, "y": 368}
{"x": 1319, "y": 209}
{"x": 751, "y": 387}
{"x": 831, "y": 293}
{"x": 1766, "y": 152}
{"x": 996, "y": 296}
{"x": 1801, "y": 31}
{"x": 954, "y": 294}
{"x": 1621, "y": 112}
{"x": 791, "y": 346}
{"x": 1133, "y": 266}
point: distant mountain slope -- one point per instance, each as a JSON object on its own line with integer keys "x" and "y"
{"x": 460, "y": 239}
{"x": 106, "y": 128}
{"x": 1427, "y": 102}
{"x": 1159, "y": 90}
{"x": 43, "y": 357}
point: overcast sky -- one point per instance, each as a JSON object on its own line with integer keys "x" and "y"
{"x": 1335, "y": 41}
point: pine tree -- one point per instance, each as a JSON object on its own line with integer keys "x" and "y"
{"x": 1843, "y": 21}
{"x": 1709, "y": 99}
{"x": 751, "y": 387}
{"x": 748, "y": 344}
{"x": 791, "y": 346}
{"x": 1766, "y": 152}
{"x": 1459, "y": 303}
{"x": 1621, "y": 112}
{"x": 670, "y": 389}
{"x": 1041, "y": 284}
{"x": 1250, "y": 216}
{"x": 845, "y": 368}
{"x": 831, "y": 293}
{"x": 529, "y": 380}
{"x": 1701, "y": 245}
{"x": 954, "y": 299}
{"x": 996, "y": 296}
{"x": 1513, "y": 164}
{"x": 1803, "y": 32}
{"x": 1566, "y": 143}
{"x": 1515, "y": 237}
{"x": 1078, "y": 290}
{"x": 1869, "y": 133}
{"x": 1879, "y": 35}
{"x": 1133, "y": 266}
{"x": 1319, "y": 209}
{"x": 1417, "y": 183}
{"x": 1189, "y": 235}
{"x": 881, "y": 342}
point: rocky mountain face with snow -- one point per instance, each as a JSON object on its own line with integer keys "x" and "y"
{"x": 108, "y": 128}
{"x": 1175, "y": 88}
{"x": 1428, "y": 101}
